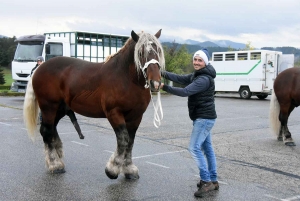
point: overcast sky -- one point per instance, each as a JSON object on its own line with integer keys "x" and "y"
{"x": 264, "y": 23}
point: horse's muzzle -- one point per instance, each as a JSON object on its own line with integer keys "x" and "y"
{"x": 154, "y": 85}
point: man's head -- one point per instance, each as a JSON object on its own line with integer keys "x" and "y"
{"x": 200, "y": 59}
{"x": 39, "y": 60}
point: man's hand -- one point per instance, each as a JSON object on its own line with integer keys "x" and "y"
{"x": 161, "y": 85}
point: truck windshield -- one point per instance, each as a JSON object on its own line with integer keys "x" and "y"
{"x": 28, "y": 51}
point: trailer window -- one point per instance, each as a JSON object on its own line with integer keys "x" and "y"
{"x": 242, "y": 56}
{"x": 229, "y": 57}
{"x": 255, "y": 56}
{"x": 218, "y": 57}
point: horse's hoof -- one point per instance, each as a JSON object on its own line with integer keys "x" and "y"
{"x": 132, "y": 176}
{"x": 59, "y": 171}
{"x": 110, "y": 175}
{"x": 279, "y": 138}
{"x": 290, "y": 144}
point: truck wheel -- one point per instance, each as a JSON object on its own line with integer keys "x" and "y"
{"x": 245, "y": 93}
{"x": 262, "y": 96}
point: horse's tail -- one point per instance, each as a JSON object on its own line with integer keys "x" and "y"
{"x": 30, "y": 111}
{"x": 274, "y": 114}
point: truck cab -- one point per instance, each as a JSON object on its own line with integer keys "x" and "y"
{"x": 28, "y": 49}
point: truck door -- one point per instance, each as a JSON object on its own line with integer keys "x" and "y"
{"x": 53, "y": 50}
{"x": 270, "y": 69}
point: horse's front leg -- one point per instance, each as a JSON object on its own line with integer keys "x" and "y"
{"x": 115, "y": 163}
{"x": 129, "y": 169}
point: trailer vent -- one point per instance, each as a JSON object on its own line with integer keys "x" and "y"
{"x": 243, "y": 56}
{"x": 255, "y": 56}
{"x": 218, "y": 57}
{"x": 229, "y": 57}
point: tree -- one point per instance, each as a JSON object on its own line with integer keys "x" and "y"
{"x": 249, "y": 46}
{"x": 2, "y": 80}
{"x": 7, "y": 51}
{"x": 177, "y": 58}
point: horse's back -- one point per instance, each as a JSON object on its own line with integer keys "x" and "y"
{"x": 287, "y": 85}
{"x": 66, "y": 79}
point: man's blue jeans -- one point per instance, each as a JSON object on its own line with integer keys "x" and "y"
{"x": 201, "y": 145}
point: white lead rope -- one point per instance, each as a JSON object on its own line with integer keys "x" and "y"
{"x": 157, "y": 109}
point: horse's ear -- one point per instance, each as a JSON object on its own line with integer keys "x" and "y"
{"x": 134, "y": 36}
{"x": 157, "y": 35}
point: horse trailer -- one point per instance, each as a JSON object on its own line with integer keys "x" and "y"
{"x": 249, "y": 73}
{"x": 94, "y": 47}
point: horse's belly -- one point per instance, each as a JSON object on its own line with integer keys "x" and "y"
{"x": 88, "y": 110}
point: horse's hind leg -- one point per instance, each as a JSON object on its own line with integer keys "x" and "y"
{"x": 53, "y": 144}
{"x": 53, "y": 148}
{"x": 285, "y": 111}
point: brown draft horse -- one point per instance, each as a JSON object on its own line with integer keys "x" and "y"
{"x": 285, "y": 97}
{"x": 118, "y": 89}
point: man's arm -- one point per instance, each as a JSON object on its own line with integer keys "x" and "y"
{"x": 199, "y": 85}
{"x": 181, "y": 79}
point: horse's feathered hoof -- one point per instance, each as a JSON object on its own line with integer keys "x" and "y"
{"x": 110, "y": 175}
{"x": 59, "y": 171}
{"x": 132, "y": 176}
{"x": 290, "y": 144}
{"x": 280, "y": 138}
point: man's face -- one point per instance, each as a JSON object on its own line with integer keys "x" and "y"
{"x": 39, "y": 62}
{"x": 198, "y": 63}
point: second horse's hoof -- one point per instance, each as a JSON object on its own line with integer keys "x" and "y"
{"x": 59, "y": 171}
{"x": 131, "y": 176}
{"x": 290, "y": 144}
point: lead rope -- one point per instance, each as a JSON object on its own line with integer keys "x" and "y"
{"x": 157, "y": 109}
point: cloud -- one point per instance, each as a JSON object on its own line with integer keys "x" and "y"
{"x": 261, "y": 22}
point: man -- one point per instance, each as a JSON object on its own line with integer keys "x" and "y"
{"x": 39, "y": 61}
{"x": 200, "y": 89}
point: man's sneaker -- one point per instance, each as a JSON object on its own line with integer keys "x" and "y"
{"x": 206, "y": 187}
{"x": 216, "y": 183}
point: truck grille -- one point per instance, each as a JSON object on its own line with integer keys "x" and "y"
{"x": 22, "y": 75}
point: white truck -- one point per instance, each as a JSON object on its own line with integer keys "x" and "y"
{"x": 94, "y": 47}
{"x": 249, "y": 72}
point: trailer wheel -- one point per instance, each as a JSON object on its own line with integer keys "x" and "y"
{"x": 262, "y": 96}
{"x": 245, "y": 93}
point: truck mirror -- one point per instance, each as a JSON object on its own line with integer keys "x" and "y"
{"x": 47, "y": 49}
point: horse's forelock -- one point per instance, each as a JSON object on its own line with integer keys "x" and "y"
{"x": 146, "y": 43}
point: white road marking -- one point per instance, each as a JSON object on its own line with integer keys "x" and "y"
{"x": 109, "y": 151}
{"x": 172, "y": 152}
{"x": 5, "y": 124}
{"x": 80, "y": 143}
{"x": 270, "y": 196}
{"x": 157, "y": 164}
{"x": 292, "y": 198}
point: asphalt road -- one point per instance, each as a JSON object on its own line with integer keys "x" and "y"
{"x": 252, "y": 164}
